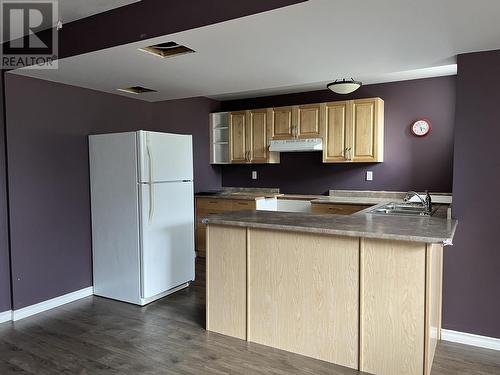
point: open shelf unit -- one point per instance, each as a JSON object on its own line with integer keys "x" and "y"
{"x": 219, "y": 138}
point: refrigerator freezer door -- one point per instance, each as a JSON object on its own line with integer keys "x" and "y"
{"x": 164, "y": 157}
{"x": 167, "y": 225}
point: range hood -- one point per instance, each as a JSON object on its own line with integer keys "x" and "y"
{"x": 297, "y": 145}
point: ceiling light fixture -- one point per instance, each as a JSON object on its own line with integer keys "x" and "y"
{"x": 346, "y": 86}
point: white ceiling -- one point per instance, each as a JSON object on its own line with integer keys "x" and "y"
{"x": 296, "y": 48}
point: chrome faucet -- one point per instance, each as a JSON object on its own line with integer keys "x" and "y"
{"x": 426, "y": 203}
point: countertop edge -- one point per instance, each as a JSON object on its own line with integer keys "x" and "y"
{"x": 339, "y": 232}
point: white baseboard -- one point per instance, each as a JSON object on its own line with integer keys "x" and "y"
{"x": 470, "y": 339}
{"x": 5, "y": 316}
{"x": 51, "y": 303}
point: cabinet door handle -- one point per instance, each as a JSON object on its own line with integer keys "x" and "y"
{"x": 347, "y": 153}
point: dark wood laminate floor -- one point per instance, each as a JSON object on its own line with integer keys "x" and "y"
{"x": 100, "y": 336}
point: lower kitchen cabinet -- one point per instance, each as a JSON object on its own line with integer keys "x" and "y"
{"x": 213, "y": 206}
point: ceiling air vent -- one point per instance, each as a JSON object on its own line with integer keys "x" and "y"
{"x": 136, "y": 90}
{"x": 168, "y": 49}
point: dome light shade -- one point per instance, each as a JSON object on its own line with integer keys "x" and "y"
{"x": 346, "y": 86}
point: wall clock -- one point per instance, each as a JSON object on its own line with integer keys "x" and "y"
{"x": 421, "y": 128}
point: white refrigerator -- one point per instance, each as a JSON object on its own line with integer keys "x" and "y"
{"x": 142, "y": 203}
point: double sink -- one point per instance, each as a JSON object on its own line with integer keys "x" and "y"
{"x": 406, "y": 209}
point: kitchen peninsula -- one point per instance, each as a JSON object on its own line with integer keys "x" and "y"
{"x": 361, "y": 290}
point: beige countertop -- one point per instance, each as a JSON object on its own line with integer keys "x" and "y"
{"x": 249, "y": 194}
{"x": 353, "y": 200}
{"x": 404, "y": 228}
{"x": 241, "y": 196}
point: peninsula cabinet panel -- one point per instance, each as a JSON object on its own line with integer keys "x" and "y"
{"x": 335, "y": 134}
{"x": 226, "y": 280}
{"x": 366, "y": 139}
{"x": 282, "y": 123}
{"x": 434, "y": 284}
{"x": 308, "y": 121}
{"x": 392, "y": 311}
{"x": 237, "y": 137}
{"x": 303, "y": 294}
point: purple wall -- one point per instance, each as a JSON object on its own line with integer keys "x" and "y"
{"x": 4, "y": 244}
{"x": 472, "y": 266}
{"x": 47, "y": 128}
{"x": 410, "y": 162}
{"x": 190, "y": 116}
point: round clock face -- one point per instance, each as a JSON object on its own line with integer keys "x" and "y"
{"x": 421, "y": 128}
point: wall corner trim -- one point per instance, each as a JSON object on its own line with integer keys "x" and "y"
{"x": 51, "y": 303}
{"x": 5, "y": 316}
{"x": 470, "y": 339}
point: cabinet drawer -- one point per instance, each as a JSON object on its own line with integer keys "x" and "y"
{"x": 217, "y": 204}
{"x": 238, "y": 205}
{"x": 203, "y": 212}
{"x": 337, "y": 209}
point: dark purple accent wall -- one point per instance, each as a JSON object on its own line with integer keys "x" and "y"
{"x": 191, "y": 116}
{"x": 152, "y": 18}
{"x": 4, "y": 244}
{"x": 472, "y": 266}
{"x": 47, "y": 128}
{"x": 410, "y": 163}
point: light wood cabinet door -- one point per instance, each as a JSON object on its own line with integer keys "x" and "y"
{"x": 308, "y": 122}
{"x": 303, "y": 294}
{"x": 392, "y": 307}
{"x": 337, "y": 119}
{"x": 237, "y": 137}
{"x": 366, "y": 138}
{"x": 227, "y": 281}
{"x": 257, "y": 122}
{"x": 282, "y": 123}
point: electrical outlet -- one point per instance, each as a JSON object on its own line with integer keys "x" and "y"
{"x": 369, "y": 176}
{"x": 254, "y": 175}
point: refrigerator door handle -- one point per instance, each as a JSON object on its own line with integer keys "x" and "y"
{"x": 151, "y": 185}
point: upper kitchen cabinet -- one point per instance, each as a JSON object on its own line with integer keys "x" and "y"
{"x": 219, "y": 138}
{"x": 246, "y": 140}
{"x": 302, "y": 121}
{"x": 257, "y": 136}
{"x": 282, "y": 123}
{"x": 367, "y": 137}
{"x": 335, "y": 136}
{"x": 354, "y": 131}
{"x": 307, "y": 122}
{"x": 237, "y": 137}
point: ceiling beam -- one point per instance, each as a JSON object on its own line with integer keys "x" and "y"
{"x": 152, "y": 18}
